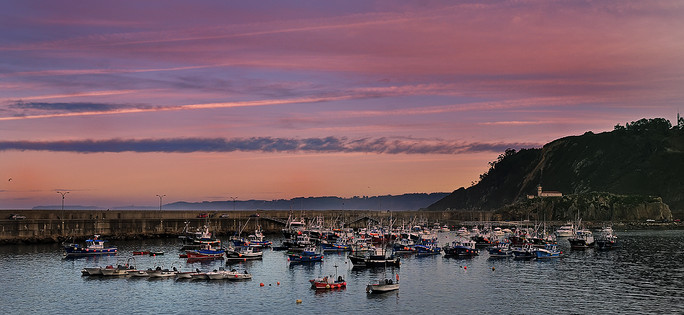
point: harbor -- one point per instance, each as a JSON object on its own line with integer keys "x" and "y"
{"x": 642, "y": 274}
{"x": 53, "y": 226}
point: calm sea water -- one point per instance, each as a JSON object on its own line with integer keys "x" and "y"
{"x": 646, "y": 275}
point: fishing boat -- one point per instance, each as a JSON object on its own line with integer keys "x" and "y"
{"x": 202, "y": 236}
{"x": 206, "y": 252}
{"x": 307, "y": 255}
{"x": 566, "y": 230}
{"x": 463, "y": 231}
{"x": 94, "y": 246}
{"x": 606, "y": 239}
{"x": 549, "y": 251}
{"x": 582, "y": 239}
{"x": 524, "y": 252}
{"x": 335, "y": 247}
{"x": 501, "y": 249}
{"x": 243, "y": 253}
{"x": 329, "y": 282}
{"x": 428, "y": 249}
{"x": 461, "y": 247}
{"x": 377, "y": 258}
{"x": 257, "y": 239}
{"x": 293, "y": 227}
{"x": 404, "y": 246}
{"x": 298, "y": 241}
{"x": 383, "y": 285}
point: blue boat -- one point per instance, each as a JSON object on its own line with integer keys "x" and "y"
{"x": 462, "y": 248}
{"x": 307, "y": 255}
{"x": 404, "y": 246}
{"x": 335, "y": 247}
{"x": 550, "y": 250}
{"x": 94, "y": 246}
{"x": 428, "y": 248}
{"x": 501, "y": 249}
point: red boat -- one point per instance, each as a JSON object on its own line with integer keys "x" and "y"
{"x": 206, "y": 252}
{"x": 141, "y": 253}
{"x": 327, "y": 283}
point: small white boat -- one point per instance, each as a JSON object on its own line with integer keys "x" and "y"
{"x": 161, "y": 273}
{"x": 567, "y": 230}
{"x": 233, "y": 274}
{"x": 463, "y": 231}
{"x": 138, "y": 273}
{"x": 198, "y": 275}
{"x": 184, "y": 274}
{"x": 92, "y": 271}
{"x": 384, "y": 285}
{"x": 117, "y": 272}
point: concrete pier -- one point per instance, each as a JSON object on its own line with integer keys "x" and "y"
{"x": 29, "y": 226}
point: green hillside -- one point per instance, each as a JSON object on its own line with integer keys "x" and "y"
{"x": 643, "y": 158}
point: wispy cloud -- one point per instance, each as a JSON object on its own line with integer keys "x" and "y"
{"x": 266, "y": 144}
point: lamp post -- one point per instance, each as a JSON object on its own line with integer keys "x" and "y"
{"x": 63, "y": 196}
{"x": 160, "y": 201}
{"x": 233, "y": 202}
{"x": 161, "y": 220}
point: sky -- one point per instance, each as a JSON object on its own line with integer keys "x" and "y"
{"x": 117, "y": 102}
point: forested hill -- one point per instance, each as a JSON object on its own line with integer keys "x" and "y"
{"x": 645, "y": 157}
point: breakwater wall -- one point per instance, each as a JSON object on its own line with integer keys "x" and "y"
{"x": 20, "y": 226}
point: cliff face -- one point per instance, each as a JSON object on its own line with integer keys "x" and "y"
{"x": 593, "y": 206}
{"x": 644, "y": 159}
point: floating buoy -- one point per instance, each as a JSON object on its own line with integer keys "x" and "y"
{"x": 269, "y": 284}
{"x": 278, "y": 283}
{"x": 299, "y": 301}
{"x": 465, "y": 267}
{"x": 261, "y": 284}
{"x": 493, "y": 268}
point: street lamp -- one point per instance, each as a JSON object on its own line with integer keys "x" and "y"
{"x": 160, "y": 201}
{"x": 63, "y": 196}
{"x": 233, "y": 202}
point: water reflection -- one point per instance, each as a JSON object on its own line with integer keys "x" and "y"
{"x": 644, "y": 275}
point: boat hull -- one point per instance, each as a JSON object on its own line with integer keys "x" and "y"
{"x": 381, "y": 288}
{"x": 374, "y": 262}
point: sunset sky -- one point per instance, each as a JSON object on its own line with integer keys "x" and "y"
{"x": 120, "y": 101}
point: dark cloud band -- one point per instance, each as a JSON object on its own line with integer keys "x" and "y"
{"x": 264, "y": 144}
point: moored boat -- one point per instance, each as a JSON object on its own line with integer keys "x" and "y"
{"x": 462, "y": 247}
{"x": 606, "y": 239}
{"x": 582, "y": 239}
{"x": 383, "y": 285}
{"x": 243, "y": 253}
{"x": 566, "y": 230}
{"x": 501, "y": 249}
{"x": 378, "y": 258}
{"x": 524, "y": 252}
{"x": 307, "y": 255}
{"x": 549, "y": 251}
{"x": 94, "y": 246}
{"x": 206, "y": 252}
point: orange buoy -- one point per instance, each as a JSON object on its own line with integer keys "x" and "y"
{"x": 493, "y": 268}
{"x": 261, "y": 284}
{"x": 465, "y": 267}
{"x": 278, "y": 283}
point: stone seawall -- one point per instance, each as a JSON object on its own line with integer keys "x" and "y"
{"x": 58, "y": 225}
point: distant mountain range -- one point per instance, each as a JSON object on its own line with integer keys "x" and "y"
{"x": 645, "y": 158}
{"x": 413, "y": 201}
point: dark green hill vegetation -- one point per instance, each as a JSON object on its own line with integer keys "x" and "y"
{"x": 644, "y": 158}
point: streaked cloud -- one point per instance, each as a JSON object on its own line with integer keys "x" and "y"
{"x": 265, "y": 144}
